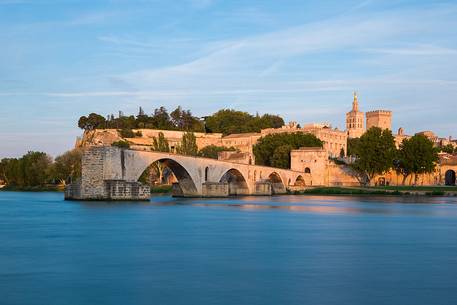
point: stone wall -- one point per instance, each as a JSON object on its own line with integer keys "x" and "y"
{"x": 263, "y": 188}
{"x": 102, "y": 178}
{"x": 235, "y": 157}
{"x": 126, "y": 190}
{"x": 379, "y": 118}
{"x": 92, "y": 185}
{"x": 215, "y": 189}
{"x": 311, "y": 160}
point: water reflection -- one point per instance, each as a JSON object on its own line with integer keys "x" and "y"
{"x": 393, "y": 205}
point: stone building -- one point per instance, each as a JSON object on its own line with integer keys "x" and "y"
{"x": 334, "y": 139}
{"x": 355, "y": 122}
{"x": 379, "y": 118}
{"x": 323, "y": 171}
{"x": 310, "y": 160}
{"x": 244, "y": 142}
{"x": 307, "y": 160}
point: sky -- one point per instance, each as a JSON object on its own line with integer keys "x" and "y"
{"x": 61, "y": 59}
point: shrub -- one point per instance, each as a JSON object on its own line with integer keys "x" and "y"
{"x": 121, "y": 144}
{"x": 127, "y": 133}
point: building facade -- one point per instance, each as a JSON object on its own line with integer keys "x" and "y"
{"x": 355, "y": 122}
{"x": 379, "y": 118}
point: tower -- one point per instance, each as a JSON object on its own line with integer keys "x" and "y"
{"x": 355, "y": 120}
{"x": 379, "y": 118}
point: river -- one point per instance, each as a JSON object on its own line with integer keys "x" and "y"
{"x": 253, "y": 250}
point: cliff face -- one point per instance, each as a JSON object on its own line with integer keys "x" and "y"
{"x": 105, "y": 137}
{"x": 98, "y": 137}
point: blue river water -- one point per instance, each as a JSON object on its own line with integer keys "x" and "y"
{"x": 253, "y": 250}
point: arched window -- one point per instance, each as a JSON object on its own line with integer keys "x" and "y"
{"x": 206, "y": 173}
{"x": 307, "y": 170}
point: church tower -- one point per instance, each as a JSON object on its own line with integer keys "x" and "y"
{"x": 355, "y": 125}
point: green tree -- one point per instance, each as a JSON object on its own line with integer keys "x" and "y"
{"x": 36, "y": 167}
{"x": 417, "y": 155}
{"x": 184, "y": 120}
{"x": 375, "y": 153}
{"x": 448, "y": 149}
{"x": 281, "y": 156}
{"x": 121, "y": 144}
{"x": 352, "y": 146}
{"x": 4, "y": 167}
{"x": 161, "y": 119}
{"x": 160, "y": 143}
{"x": 274, "y": 149}
{"x": 126, "y": 133}
{"x": 93, "y": 121}
{"x": 267, "y": 121}
{"x": 212, "y": 151}
{"x": 67, "y": 167}
{"x": 188, "y": 145}
{"x": 32, "y": 169}
{"x": 342, "y": 153}
{"x": 229, "y": 121}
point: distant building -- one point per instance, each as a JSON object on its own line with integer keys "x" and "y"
{"x": 334, "y": 140}
{"x": 379, "y": 118}
{"x": 355, "y": 125}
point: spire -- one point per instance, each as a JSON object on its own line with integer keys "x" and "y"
{"x": 355, "y": 103}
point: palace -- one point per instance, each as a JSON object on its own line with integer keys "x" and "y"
{"x": 335, "y": 140}
{"x": 317, "y": 161}
{"x": 355, "y": 121}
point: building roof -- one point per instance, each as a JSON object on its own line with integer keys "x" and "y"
{"x": 309, "y": 149}
{"x": 241, "y": 135}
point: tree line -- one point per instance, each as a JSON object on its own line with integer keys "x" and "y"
{"x": 37, "y": 169}
{"x": 375, "y": 154}
{"x": 226, "y": 121}
{"x": 274, "y": 149}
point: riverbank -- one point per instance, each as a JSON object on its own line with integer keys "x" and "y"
{"x": 388, "y": 191}
{"x": 39, "y": 188}
{"x": 161, "y": 189}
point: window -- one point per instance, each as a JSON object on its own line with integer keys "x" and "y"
{"x": 307, "y": 170}
{"x": 206, "y": 173}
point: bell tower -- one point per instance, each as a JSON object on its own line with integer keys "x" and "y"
{"x": 355, "y": 122}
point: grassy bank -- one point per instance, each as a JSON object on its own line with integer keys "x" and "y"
{"x": 432, "y": 188}
{"x": 342, "y": 191}
{"x": 161, "y": 189}
{"x": 41, "y": 188}
{"x": 388, "y": 191}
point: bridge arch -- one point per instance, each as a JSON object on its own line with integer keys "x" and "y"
{"x": 277, "y": 184}
{"x": 300, "y": 181}
{"x": 186, "y": 185}
{"x": 237, "y": 183}
{"x": 449, "y": 177}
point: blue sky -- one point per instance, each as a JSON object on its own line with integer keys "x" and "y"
{"x": 300, "y": 59}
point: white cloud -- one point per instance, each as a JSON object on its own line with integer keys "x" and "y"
{"x": 245, "y": 62}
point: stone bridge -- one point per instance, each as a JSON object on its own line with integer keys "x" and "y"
{"x": 111, "y": 173}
